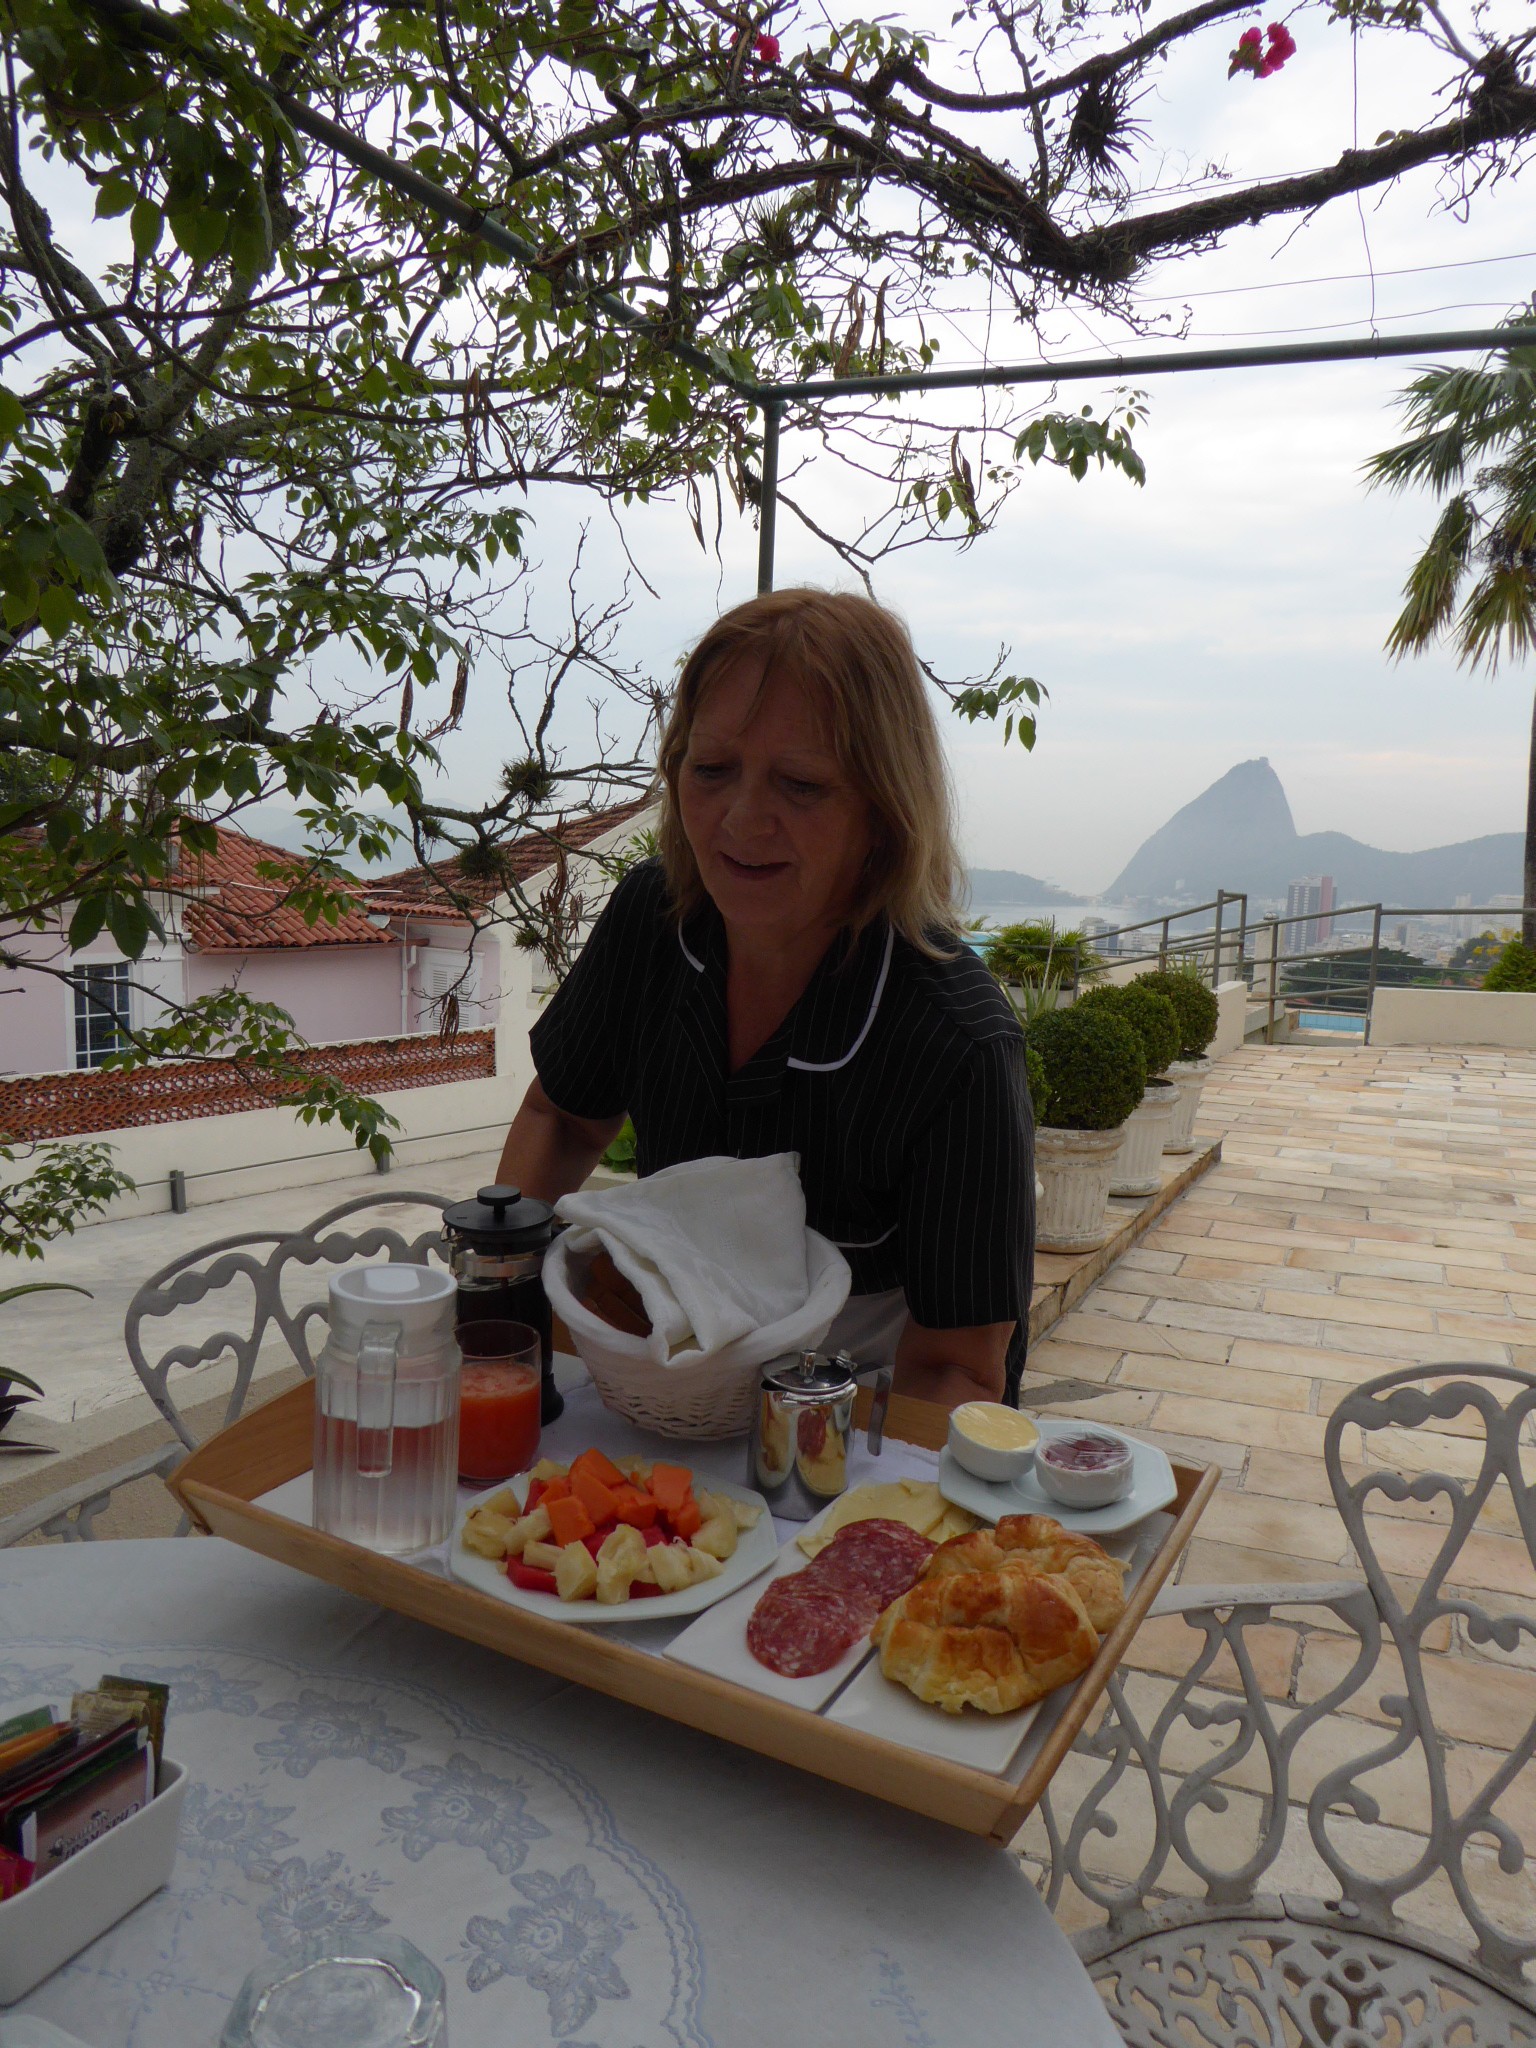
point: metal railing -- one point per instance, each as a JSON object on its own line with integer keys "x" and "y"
{"x": 1335, "y": 972}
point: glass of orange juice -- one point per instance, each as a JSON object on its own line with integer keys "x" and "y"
{"x": 498, "y": 1400}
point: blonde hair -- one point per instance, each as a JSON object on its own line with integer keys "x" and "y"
{"x": 854, "y": 660}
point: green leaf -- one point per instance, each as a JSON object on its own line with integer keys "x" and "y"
{"x": 58, "y": 608}
{"x": 148, "y": 221}
{"x": 129, "y": 923}
{"x": 90, "y": 915}
{"x": 12, "y": 417}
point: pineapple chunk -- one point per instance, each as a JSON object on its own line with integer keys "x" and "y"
{"x": 544, "y": 1557}
{"x": 717, "y": 1536}
{"x": 702, "y": 1566}
{"x": 623, "y": 1545}
{"x": 504, "y": 1503}
{"x": 485, "y": 1535}
{"x": 746, "y": 1513}
{"x": 669, "y": 1566}
{"x": 576, "y": 1573}
{"x": 528, "y": 1529}
{"x": 546, "y": 1468}
{"x": 620, "y": 1561}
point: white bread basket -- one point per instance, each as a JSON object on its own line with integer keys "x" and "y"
{"x": 711, "y": 1396}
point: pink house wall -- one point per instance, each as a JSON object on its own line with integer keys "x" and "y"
{"x": 36, "y": 1012}
{"x": 331, "y": 992}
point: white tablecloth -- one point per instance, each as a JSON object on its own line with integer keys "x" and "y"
{"x": 582, "y": 1872}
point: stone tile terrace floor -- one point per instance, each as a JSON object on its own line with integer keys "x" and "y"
{"x": 1372, "y": 1209}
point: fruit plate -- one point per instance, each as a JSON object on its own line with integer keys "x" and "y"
{"x": 1153, "y": 1486}
{"x": 755, "y": 1552}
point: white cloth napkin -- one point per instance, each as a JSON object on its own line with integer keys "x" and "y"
{"x": 715, "y": 1247}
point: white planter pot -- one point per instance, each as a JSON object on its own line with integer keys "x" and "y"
{"x": 1073, "y": 1170}
{"x": 1139, "y": 1168}
{"x": 1189, "y": 1075}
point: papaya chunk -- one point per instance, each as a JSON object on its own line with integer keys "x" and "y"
{"x": 687, "y": 1519}
{"x": 601, "y": 1468}
{"x": 631, "y": 1505}
{"x": 670, "y": 1486}
{"x": 569, "y": 1521}
{"x": 594, "y": 1496}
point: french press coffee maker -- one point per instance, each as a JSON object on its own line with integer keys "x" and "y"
{"x": 496, "y": 1247}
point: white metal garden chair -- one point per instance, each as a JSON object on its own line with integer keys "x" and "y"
{"x": 1291, "y": 1936}
{"x": 261, "y": 1282}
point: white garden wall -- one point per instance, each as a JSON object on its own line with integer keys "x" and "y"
{"x": 1453, "y": 1016}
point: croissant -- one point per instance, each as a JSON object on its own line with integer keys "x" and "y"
{"x": 1039, "y": 1544}
{"x": 991, "y": 1640}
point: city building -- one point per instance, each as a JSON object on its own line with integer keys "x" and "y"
{"x": 1311, "y": 898}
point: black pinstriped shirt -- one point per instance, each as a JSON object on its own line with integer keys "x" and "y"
{"x": 899, "y": 1080}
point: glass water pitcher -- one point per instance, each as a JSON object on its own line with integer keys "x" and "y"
{"x": 387, "y": 1409}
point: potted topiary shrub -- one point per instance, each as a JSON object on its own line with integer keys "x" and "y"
{"x": 1021, "y": 955}
{"x": 1198, "y": 1014}
{"x": 1095, "y": 1074}
{"x": 1138, "y": 1170}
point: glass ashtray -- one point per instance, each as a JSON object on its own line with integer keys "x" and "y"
{"x": 332, "y": 1994}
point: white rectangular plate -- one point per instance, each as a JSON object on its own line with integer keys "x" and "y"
{"x": 1152, "y": 1486}
{"x": 717, "y": 1642}
{"x": 984, "y": 1741}
{"x": 756, "y": 1550}
{"x": 880, "y": 1707}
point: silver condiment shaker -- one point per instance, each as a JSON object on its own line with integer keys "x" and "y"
{"x": 802, "y": 1428}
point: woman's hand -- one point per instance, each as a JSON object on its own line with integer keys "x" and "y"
{"x": 951, "y": 1366}
{"x": 548, "y": 1153}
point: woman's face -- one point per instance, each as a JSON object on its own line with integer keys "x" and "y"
{"x": 778, "y": 831}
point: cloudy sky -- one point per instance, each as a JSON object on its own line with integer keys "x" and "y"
{"x": 1237, "y": 606}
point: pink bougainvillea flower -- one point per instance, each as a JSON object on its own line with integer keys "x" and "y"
{"x": 766, "y": 49}
{"x": 1251, "y": 54}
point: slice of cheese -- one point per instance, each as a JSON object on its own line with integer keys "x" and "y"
{"x": 916, "y": 1502}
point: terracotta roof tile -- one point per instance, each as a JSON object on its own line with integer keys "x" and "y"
{"x": 230, "y": 908}
{"x": 411, "y": 890}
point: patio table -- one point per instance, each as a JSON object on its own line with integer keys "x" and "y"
{"x": 582, "y": 1872}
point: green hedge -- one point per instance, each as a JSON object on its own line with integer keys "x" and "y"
{"x": 1194, "y": 1004}
{"x": 1039, "y": 1086}
{"x": 1095, "y": 1068}
{"x": 1514, "y": 972}
{"x": 1151, "y": 1016}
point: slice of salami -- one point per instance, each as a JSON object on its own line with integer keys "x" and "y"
{"x": 879, "y": 1559}
{"x": 799, "y": 1630}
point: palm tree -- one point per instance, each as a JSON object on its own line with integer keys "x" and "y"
{"x": 1473, "y": 442}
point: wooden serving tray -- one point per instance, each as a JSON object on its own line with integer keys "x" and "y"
{"x": 219, "y": 1483}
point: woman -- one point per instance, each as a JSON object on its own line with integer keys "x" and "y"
{"x": 787, "y": 978}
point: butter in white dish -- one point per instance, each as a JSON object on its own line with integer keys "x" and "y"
{"x": 992, "y": 1441}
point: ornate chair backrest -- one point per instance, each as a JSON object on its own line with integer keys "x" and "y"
{"x": 1471, "y": 1534}
{"x": 263, "y": 1261}
{"x": 1295, "y": 1695}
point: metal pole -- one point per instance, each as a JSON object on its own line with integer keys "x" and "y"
{"x": 1221, "y": 903}
{"x": 1162, "y": 950}
{"x": 1242, "y": 937}
{"x": 768, "y": 502}
{"x": 1370, "y": 980}
{"x": 1155, "y": 364}
{"x": 1274, "y": 977}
